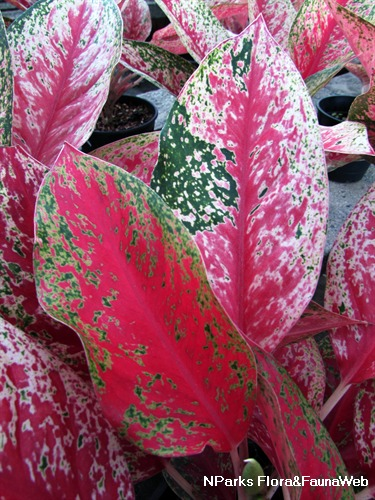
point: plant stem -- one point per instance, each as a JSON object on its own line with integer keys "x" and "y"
{"x": 238, "y": 466}
{"x": 180, "y": 480}
{"x": 332, "y": 401}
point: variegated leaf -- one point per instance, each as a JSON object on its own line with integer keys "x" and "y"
{"x": 137, "y": 154}
{"x": 167, "y": 39}
{"x": 330, "y": 365}
{"x": 360, "y": 32}
{"x": 63, "y": 54}
{"x": 364, "y": 427}
{"x": 242, "y": 165}
{"x": 20, "y": 178}
{"x": 55, "y": 442}
{"x": 278, "y": 16}
{"x": 22, "y": 4}
{"x": 6, "y": 88}
{"x": 299, "y": 442}
{"x": 197, "y": 27}
{"x": 316, "y": 41}
{"x": 304, "y": 364}
{"x": 350, "y": 291}
{"x": 136, "y": 19}
{"x": 156, "y": 64}
{"x": 316, "y": 319}
{"x": 112, "y": 261}
{"x": 345, "y": 142}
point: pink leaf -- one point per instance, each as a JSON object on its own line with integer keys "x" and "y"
{"x": 345, "y": 142}
{"x": 197, "y": 27}
{"x": 350, "y": 283}
{"x": 289, "y": 429}
{"x": 364, "y": 428}
{"x": 137, "y": 154}
{"x": 136, "y": 19}
{"x": 63, "y": 54}
{"x": 278, "y": 16}
{"x": 304, "y": 364}
{"x": 232, "y": 168}
{"x": 21, "y": 177}
{"x": 316, "y": 41}
{"x": 55, "y": 443}
{"x": 112, "y": 261}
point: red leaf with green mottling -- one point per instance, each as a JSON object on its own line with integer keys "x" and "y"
{"x": 21, "y": 177}
{"x": 63, "y": 53}
{"x": 55, "y": 442}
{"x": 112, "y": 261}
{"x": 317, "y": 44}
{"x": 137, "y": 154}
{"x": 6, "y": 88}
{"x": 298, "y": 443}
{"x": 350, "y": 290}
{"x": 156, "y": 64}
{"x": 232, "y": 168}
{"x": 364, "y": 427}
{"x": 196, "y": 26}
{"x": 304, "y": 364}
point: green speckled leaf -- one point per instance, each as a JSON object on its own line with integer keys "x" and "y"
{"x": 112, "y": 261}
{"x": 156, "y": 64}
{"x": 364, "y": 427}
{"x": 63, "y": 53}
{"x": 20, "y": 178}
{"x": 242, "y": 165}
{"x": 197, "y": 27}
{"x": 6, "y": 88}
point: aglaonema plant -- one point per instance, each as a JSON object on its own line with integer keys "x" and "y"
{"x": 186, "y": 300}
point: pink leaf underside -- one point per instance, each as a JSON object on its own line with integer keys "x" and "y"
{"x": 288, "y": 428}
{"x": 136, "y": 19}
{"x": 345, "y": 142}
{"x": 278, "y": 16}
{"x": 171, "y": 371}
{"x": 304, "y": 364}
{"x": 167, "y": 39}
{"x": 232, "y": 168}
{"x": 55, "y": 441}
{"x": 330, "y": 365}
{"x": 6, "y": 88}
{"x": 316, "y": 41}
{"x": 21, "y": 177}
{"x": 350, "y": 291}
{"x": 364, "y": 428}
{"x": 316, "y": 319}
{"x": 63, "y": 54}
{"x": 357, "y": 23}
{"x": 137, "y": 154}
{"x": 197, "y": 27}
{"x": 156, "y": 64}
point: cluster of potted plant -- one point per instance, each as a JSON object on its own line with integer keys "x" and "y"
{"x": 156, "y": 295}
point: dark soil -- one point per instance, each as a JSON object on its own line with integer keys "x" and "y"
{"x": 125, "y": 116}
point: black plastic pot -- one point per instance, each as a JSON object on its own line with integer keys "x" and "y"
{"x": 101, "y": 138}
{"x": 333, "y": 110}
